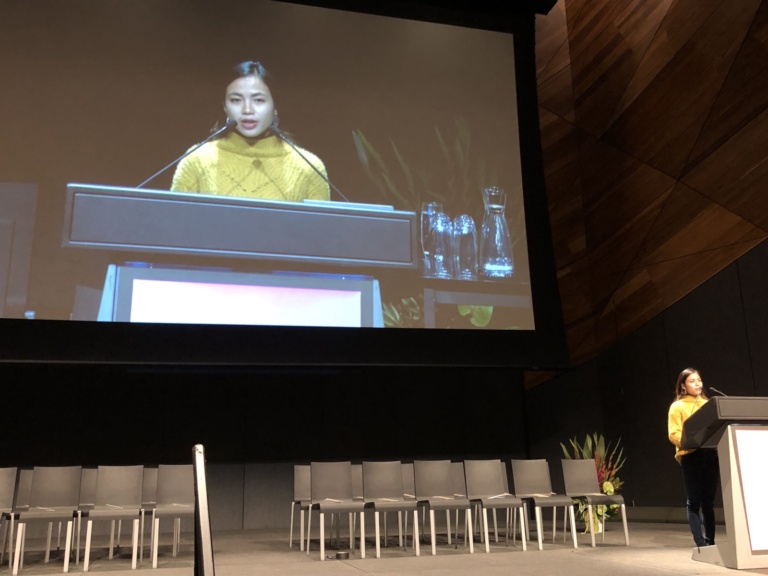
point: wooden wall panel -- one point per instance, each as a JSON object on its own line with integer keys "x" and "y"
{"x": 655, "y": 155}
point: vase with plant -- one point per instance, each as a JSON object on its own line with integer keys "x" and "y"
{"x": 609, "y": 459}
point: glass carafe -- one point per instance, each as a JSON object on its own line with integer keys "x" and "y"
{"x": 495, "y": 245}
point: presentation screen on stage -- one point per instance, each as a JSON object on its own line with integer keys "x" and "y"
{"x": 398, "y": 157}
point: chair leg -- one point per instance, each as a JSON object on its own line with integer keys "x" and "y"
{"x": 485, "y": 529}
{"x": 468, "y": 527}
{"x": 290, "y": 534}
{"x": 301, "y": 529}
{"x": 135, "y": 542}
{"x": 572, "y": 514}
{"x": 591, "y": 528}
{"x": 309, "y": 527}
{"x": 448, "y": 524}
{"x": 68, "y": 545}
{"x": 400, "y": 528}
{"x": 362, "y": 534}
{"x": 537, "y": 512}
{"x": 624, "y": 522}
{"x": 322, "y": 536}
{"x": 432, "y": 530}
{"x": 155, "y": 539}
{"x": 416, "y": 543}
{"x": 554, "y": 523}
{"x": 495, "y": 527}
{"x": 522, "y": 532}
{"x": 87, "y": 553}
{"x": 376, "y": 532}
{"x": 112, "y": 539}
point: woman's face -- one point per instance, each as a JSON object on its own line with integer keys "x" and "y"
{"x": 249, "y": 103}
{"x": 692, "y": 384}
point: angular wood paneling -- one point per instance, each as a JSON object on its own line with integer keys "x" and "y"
{"x": 642, "y": 93}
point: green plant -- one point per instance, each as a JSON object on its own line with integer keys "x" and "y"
{"x": 608, "y": 459}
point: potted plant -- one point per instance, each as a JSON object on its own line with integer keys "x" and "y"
{"x": 608, "y": 460}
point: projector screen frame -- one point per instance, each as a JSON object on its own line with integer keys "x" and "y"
{"x": 544, "y": 347}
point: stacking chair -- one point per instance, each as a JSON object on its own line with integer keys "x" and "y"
{"x": 175, "y": 499}
{"x": 117, "y": 498}
{"x": 532, "y": 482}
{"x": 331, "y": 488}
{"x": 7, "y": 512}
{"x": 20, "y": 504}
{"x": 434, "y": 491}
{"x": 54, "y": 497}
{"x": 581, "y": 483}
{"x": 383, "y": 492}
{"x": 485, "y": 487}
{"x": 148, "y": 503}
{"x": 302, "y": 497}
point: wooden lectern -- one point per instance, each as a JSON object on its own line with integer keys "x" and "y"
{"x": 738, "y": 427}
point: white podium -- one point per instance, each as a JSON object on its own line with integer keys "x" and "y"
{"x": 738, "y": 426}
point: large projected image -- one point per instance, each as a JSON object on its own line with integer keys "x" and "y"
{"x": 376, "y": 159}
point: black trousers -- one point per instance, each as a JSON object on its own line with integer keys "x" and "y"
{"x": 701, "y": 475}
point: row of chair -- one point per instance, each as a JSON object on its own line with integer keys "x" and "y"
{"x": 428, "y": 486}
{"x": 53, "y": 494}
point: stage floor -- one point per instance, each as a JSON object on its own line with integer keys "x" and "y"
{"x": 654, "y": 549}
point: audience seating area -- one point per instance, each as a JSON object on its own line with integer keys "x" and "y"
{"x": 423, "y": 487}
{"x": 54, "y": 495}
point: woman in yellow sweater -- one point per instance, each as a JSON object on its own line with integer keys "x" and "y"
{"x": 251, "y": 161}
{"x": 701, "y": 472}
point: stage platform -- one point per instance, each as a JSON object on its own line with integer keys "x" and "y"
{"x": 656, "y": 548}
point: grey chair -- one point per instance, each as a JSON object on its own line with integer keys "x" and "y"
{"x": 148, "y": 502}
{"x": 383, "y": 492}
{"x": 433, "y": 480}
{"x": 20, "y": 504}
{"x": 532, "y": 482}
{"x": 54, "y": 497}
{"x": 581, "y": 483}
{"x": 7, "y": 512}
{"x": 175, "y": 499}
{"x": 117, "y": 498}
{"x": 486, "y": 488}
{"x": 302, "y": 497}
{"x": 332, "y": 493}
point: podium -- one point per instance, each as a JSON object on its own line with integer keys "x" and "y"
{"x": 738, "y": 427}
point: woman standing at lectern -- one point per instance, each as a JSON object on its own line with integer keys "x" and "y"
{"x": 251, "y": 160}
{"x": 701, "y": 472}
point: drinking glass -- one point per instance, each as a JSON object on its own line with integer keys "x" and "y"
{"x": 441, "y": 246}
{"x": 464, "y": 248}
{"x": 428, "y": 212}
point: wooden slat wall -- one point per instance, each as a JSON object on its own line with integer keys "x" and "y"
{"x": 654, "y": 122}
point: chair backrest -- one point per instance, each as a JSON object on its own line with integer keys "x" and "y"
{"x": 483, "y": 478}
{"x": 149, "y": 488}
{"x": 23, "y": 489}
{"x": 331, "y": 480}
{"x": 55, "y": 487}
{"x": 119, "y": 486}
{"x": 457, "y": 477}
{"x": 580, "y": 477}
{"x": 357, "y": 481}
{"x": 432, "y": 478}
{"x": 7, "y": 488}
{"x": 409, "y": 487}
{"x": 175, "y": 484}
{"x": 302, "y": 483}
{"x": 383, "y": 480}
{"x": 531, "y": 477}
{"x": 88, "y": 488}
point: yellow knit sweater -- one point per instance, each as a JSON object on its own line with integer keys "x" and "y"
{"x": 264, "y": 168}
{"x": 679, "y": 412}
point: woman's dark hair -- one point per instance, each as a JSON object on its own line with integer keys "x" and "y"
{"x": 680, "y": 390}
{"x": 250, "y": 68}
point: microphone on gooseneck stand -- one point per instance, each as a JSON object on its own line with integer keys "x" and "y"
{"x": 716, "y": 391}
{"x": 284, "y": 138}
{"x": 230, "y": 124}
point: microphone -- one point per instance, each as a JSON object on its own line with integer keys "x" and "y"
{"x": 230, "y": 124}
{"x": 717, "y": 391}
{"x": 284, "y": 138}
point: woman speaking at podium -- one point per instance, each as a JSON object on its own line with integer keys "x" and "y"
{"x": 250, "y": 160}
{"x": 701, "y": 472}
